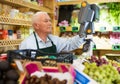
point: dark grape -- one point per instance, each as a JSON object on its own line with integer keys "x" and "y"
{"x": 118, "y": 68}
{"x": 98, "y": 60}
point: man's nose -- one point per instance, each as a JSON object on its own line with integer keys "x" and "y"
{"x": 50, "y": 22}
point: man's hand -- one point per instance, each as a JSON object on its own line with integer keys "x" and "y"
{"x": 82, "y": 35}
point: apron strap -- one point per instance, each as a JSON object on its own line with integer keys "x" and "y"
{"x": 50, "y": 40}
{"x": 36, "y": 40}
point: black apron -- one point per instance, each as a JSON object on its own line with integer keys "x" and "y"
{"x": 51, "y": 49}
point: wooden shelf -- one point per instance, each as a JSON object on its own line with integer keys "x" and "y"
{"x": 68, "y": 3}
{"x": 5, "y": 43}
{"x": 89, "y": 1}
{"x": 21, "y": 3}
{"x": 10, "y": 21}
{"x": 99, "y": 52}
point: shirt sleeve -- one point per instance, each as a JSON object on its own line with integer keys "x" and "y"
{"x": 28, "y": 43}
{"x": 23, "y": 45}
{"x": 68, "y": 44}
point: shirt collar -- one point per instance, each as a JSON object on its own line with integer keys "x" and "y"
{"x": 40, "y": 40}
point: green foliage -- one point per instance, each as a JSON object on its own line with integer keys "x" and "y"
{"x": 113, "y": 12}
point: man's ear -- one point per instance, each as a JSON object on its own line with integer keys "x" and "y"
{"x": 35, "y": 25}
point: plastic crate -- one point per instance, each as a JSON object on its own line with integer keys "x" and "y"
{"x": 47, "y": 59}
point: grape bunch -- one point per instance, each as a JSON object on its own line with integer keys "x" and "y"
{"x": 102, "y": 70}
{"x": 118, "y": 68}
{"x": 104, "y": 74}
{"x": 115, "y": 64}
{"x": 98, "y": 60}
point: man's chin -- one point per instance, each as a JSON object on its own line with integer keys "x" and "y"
{"x": 49, "y": 32}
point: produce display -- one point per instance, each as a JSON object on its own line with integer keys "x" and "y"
{"x": 102, "y": 70}
{"x": 110, "y": 13}
{"x": 46, "y": 79}
{"x": 8, "y": 75}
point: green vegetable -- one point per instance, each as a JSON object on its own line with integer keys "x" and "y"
{"x": 112, "y": 13}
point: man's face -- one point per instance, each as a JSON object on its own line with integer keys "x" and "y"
{"x": 44, "y": 24}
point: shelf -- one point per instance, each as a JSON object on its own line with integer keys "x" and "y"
{"x": 89, "y": 1}
{"x": 22, "y": 6}
{"x": 10, "y": 21}
{"x": 68, "y": 3}
{"x": 99, "y": 52}
{"x": 21, "y": 3}
{"x": 5, "y": 43}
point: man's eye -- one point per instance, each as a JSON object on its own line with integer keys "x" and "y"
{"x": 46, "y": 21}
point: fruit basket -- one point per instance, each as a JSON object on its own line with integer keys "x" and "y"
{"x": 34, "y": 75}
{"x": 47, "y": 59}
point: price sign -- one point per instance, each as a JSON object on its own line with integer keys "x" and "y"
{"x": 75, "y": 29}
{"x": 63, "y": 29}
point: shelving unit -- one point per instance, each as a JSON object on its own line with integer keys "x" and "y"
{"x": 21, "y": 3}
{"x": 24, "y": 6}
{"x": 10, "y": 21}
{"x": 48, "y": 6}
{"x": 89, "y": 1}
{"x": 5, "y": 43}
{"x": 98, "y": 51}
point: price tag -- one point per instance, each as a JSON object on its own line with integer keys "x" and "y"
{"x": 102, "y": 29}
{"x": 63, "y": 29}
{"x": 116, "y": 29}
{"x": 75, "y": 29}
{"x": 116, "y": 47}
{"x": 81, "y": 77}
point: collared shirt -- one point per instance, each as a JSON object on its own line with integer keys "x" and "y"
{"x": 62, "y": 44}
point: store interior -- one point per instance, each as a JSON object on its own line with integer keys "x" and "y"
{"x": 15, "y": 22}
{"x": 15, "y": 25}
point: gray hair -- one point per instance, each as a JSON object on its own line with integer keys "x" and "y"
{"x": 36, "y": 15}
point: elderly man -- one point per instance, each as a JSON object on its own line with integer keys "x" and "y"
{"x": 42, "y": 39}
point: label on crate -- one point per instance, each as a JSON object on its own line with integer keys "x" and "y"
{"x": 80, "y": 78}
